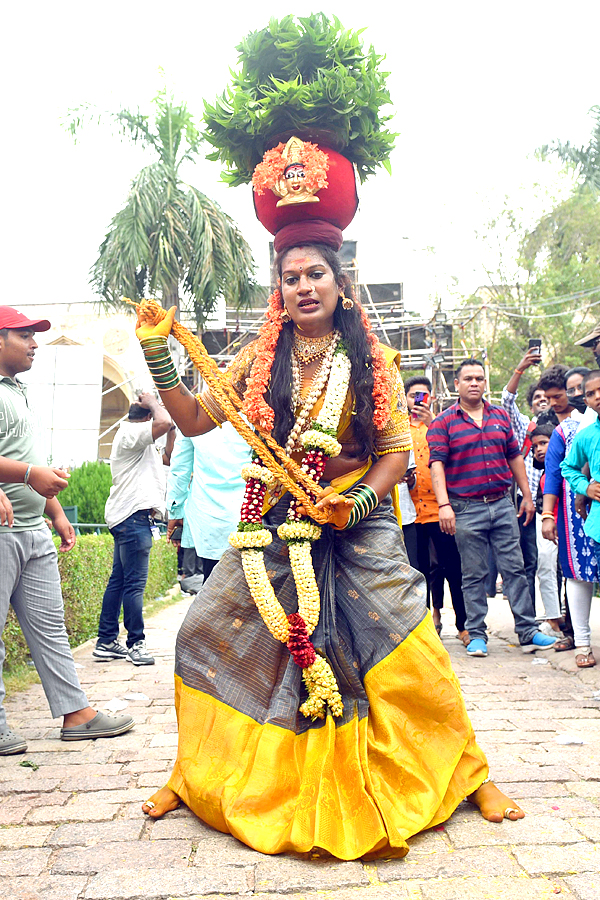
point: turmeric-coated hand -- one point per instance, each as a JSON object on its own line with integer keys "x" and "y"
{"x": 147, "y": 325}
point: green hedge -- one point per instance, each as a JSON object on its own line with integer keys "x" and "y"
{"x": 84, "y": 574}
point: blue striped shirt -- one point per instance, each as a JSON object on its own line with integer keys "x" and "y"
{"x": 475, "y": 459}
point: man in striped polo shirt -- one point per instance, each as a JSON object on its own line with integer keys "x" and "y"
{"x": 473, "y": 456}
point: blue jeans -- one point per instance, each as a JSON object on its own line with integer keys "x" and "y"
{"x": 480, "y": 525}
{"x": 127, "y": 582}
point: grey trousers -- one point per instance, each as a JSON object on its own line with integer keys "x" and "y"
{"x": 29, "y": 580}
{"x": 480, "y": 525}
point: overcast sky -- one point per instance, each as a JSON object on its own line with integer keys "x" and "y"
{"x": 476, "y": 87}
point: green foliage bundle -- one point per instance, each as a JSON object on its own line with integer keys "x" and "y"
{"x": 84, "y": 574}
{"x": 89, "y": 486}
{"x": 301, "y": 77}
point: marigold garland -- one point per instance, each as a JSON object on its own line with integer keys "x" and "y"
{"x": 298, "y": 532}
{"x": 382, "y": 382}
{"x": 255, "y": 406}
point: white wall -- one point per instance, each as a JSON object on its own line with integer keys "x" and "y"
{"x": 64, "y": 390}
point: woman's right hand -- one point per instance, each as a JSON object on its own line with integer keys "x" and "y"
{"x": 147, "y": 326}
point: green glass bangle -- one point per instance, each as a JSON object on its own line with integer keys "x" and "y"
{"x": 160, "y": 363}
{"x": 365, "y": 501}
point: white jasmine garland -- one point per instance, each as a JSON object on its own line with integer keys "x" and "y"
{"x": 243, "y": 540}
{"x": 261, "y": 473}
{"x": 296, "y": 530}
{"x": 337, "y": 388}
{"x": 318, "y": 440}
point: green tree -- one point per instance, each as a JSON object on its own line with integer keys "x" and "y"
{"x": 169, "y": 240}
{"x": 546, "y": 285}
{"x": 585, "y": 160}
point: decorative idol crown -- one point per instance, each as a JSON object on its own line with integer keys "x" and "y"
{"x": 304, "y": 127}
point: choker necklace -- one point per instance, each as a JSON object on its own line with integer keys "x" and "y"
{"x": 306, "y": 349}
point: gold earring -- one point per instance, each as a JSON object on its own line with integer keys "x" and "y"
{"x": 285, "y": 316}
{"x": 347, "y": 302}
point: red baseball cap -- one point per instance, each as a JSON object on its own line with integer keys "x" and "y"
{"x": 11, "y": 318}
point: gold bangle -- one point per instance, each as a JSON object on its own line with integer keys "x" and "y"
{"x": 547, "y": 515}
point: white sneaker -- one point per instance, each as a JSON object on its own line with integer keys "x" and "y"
{"x": 139, "y": 655}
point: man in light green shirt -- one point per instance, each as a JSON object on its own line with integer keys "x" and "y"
{"x": 30, "y": 581}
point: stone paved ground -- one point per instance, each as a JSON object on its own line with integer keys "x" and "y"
{"x": 72, "y": 827}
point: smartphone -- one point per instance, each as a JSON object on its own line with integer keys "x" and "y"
{"x": 421, "y": 396}
{"x": 537, "y": 343}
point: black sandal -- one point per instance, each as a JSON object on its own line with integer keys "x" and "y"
{"x": 565, "y": 643}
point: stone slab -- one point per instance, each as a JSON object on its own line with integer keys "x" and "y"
{"x": 466, "y": 888}
{"x": 584, "y": 887}
{"x": 285, "y": 875}
{"x": 19, "y": 836}
{"x": 44, "y": 887}
{"x": 104, "y": 857}
{"x": 23, "y": 862}
{"x": 225, "y": 850}
{"x": 493, "y": 861}
{"x": 158, "y": 884}
{"x": 74, "y": 812}
{"x": 531, "y": 829}
{"x": 83, "y": 834}
{"x": 564, "y": 807}
{"x": 188, "y": 827}
{"x": 582, "y": 857}
{"x": 590, "y": 828}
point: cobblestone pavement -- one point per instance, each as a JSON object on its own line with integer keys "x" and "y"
{"x": 72, "y": 826}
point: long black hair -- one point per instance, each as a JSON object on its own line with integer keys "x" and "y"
{"x": 349, "y": 323}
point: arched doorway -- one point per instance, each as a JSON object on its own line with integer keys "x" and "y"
{"x": 116, "y": 399}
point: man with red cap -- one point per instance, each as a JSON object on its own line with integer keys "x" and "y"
{"x": 30, "y": 580}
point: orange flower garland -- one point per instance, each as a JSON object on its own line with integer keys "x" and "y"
{"x": 382, "y": 383}
{"x": 273, "y": 165}
{"x": 255, "y": 406}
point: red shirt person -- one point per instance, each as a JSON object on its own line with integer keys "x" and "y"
{"x": 473, "y": 458}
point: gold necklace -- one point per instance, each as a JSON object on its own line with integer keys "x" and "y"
{"x": 307, "y": 349}
{"x": 472, "y": 414}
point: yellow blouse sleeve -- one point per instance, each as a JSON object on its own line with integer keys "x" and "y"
{"x": 237, "y": 372}
{"x": 395, "y": 436}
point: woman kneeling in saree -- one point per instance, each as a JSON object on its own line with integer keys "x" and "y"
{"x": 358, "y": 738}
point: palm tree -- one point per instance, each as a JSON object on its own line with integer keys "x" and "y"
{"x": 169, "y": 240}
{"x": 585, "y": 160}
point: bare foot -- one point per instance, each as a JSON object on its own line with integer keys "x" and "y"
{"x": 79, "y": 717}
{"x": 163, "y": 801}
{"x": 494, "y": 805}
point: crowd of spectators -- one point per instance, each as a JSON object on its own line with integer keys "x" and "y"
{"x": 499, "y": 492}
